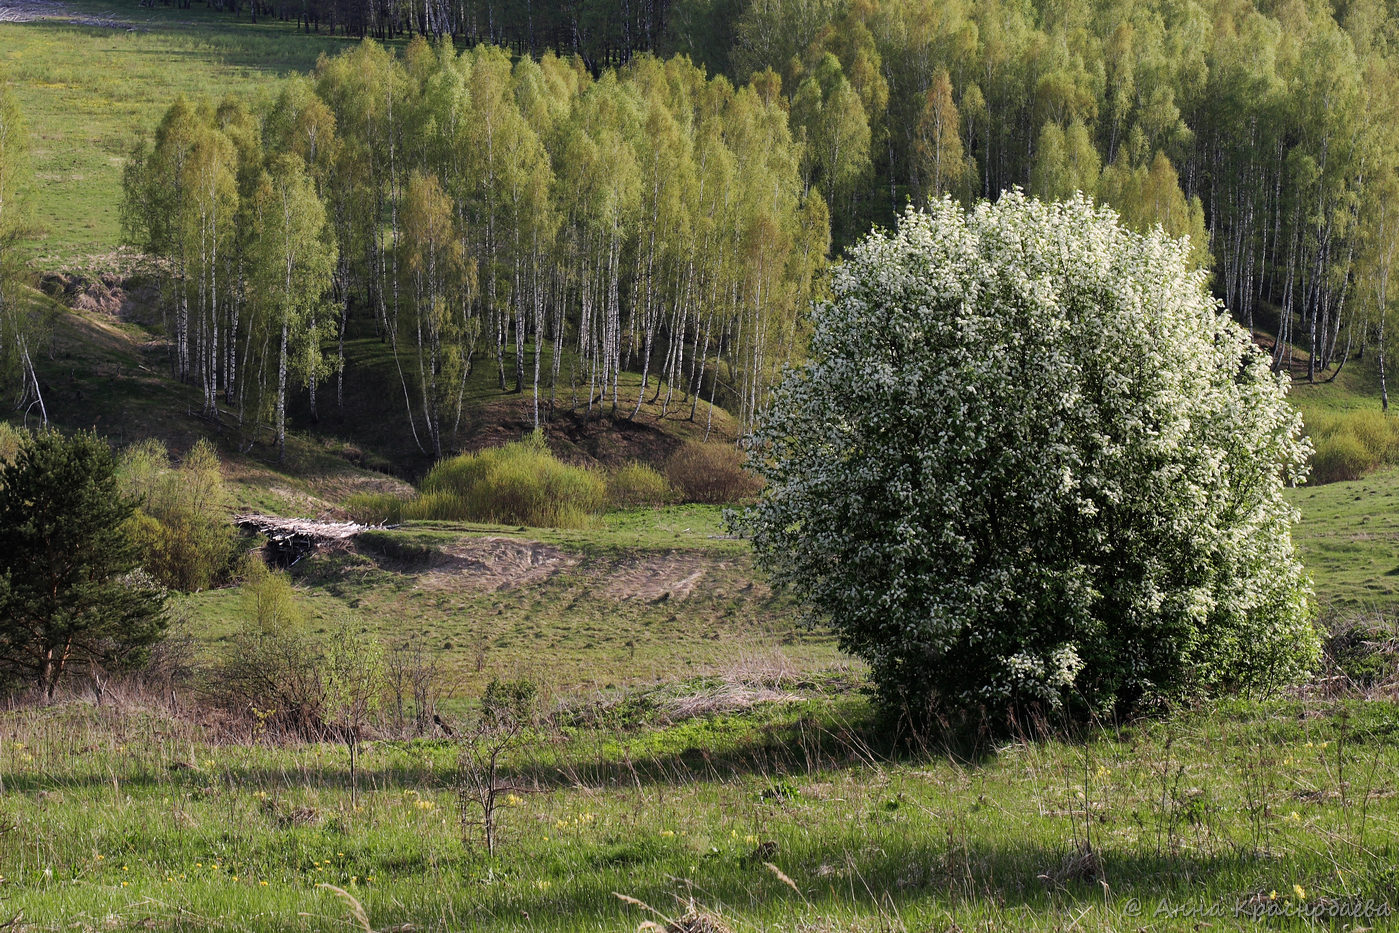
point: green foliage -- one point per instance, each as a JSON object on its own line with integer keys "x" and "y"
{"x": 637, "y": 484}
{"x": 270, "y": 604}
{"x": 354, "y": 677}
{"x": 1031, "y": 467}
{"x": 508, "y": 703}
{"x": 70, "y": 591}
{"x": 711, "y": 473}
{"x": 355, "y": 683}
{"x": 1352, "y": 443}
{"x": 272, "y": 664}
{"x": 375, "y": 508}
{"x": 521, "y": 483}
{"x": 180, "y": 525}
{"x": 437, "y": 195}
{"x": 11, "y": 438}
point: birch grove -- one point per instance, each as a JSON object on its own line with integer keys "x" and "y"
{"x": 572, "y": 235}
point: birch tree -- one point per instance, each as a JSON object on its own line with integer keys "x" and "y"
{"x": 293, "y": 261}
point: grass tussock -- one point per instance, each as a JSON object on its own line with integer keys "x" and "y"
{"x": 711, "y": 473}
{"x": 636, "y": 485}
{"x": 1352, "y": 443}
{"x": 521, "y": 483}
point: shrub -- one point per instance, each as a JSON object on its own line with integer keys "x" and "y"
{"x": 10, "y": 439}
{"x": 273, "y": 667}
{"x": 521, "y": 483}
{"x": 1032, "y": 466}
{"x": 269, "y": 600}
{"x": 1340, "y": 457}
{"x": 1376, "y": 431}
{"x": 637, "y": 484}
{"x": 1350, "y": 444}
{"x": 375, "y": 508}
{"x": 180, "y": 527}
{"x": 711, "y": 473}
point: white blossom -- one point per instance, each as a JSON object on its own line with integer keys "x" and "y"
{"x": 1030, "y": 460}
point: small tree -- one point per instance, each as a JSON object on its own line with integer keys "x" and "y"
{"x": 180, "y": 525}
{"x": 69, "y": 590}
{"x": 354, "y": 688}
{"x": 273, "y": 665}
{"x": 507, "y": 708}
{"x": 1031, "y": 464}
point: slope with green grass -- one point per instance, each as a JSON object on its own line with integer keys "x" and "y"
{"x": 92, "y": 76}
{"x": 647, "y": 596}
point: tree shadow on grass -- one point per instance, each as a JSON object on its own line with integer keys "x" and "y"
{"x": 995, "y": 880}
{"x": 544, "y": 761}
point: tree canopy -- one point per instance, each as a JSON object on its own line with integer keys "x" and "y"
{"x": 1271, "y": 126}
{"x": 1032, "y": 465}
{"x": 71, "y": 594}
{"x": 472, "y": 211}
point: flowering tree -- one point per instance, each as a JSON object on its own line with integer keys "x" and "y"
{"x": 1032, "y": 465}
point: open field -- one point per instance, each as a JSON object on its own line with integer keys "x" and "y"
{"x": 88, "y": 91}
{"x": 783, "y": 817}
{"x": 651, "y": 596}
{"x": 696, "y": 754}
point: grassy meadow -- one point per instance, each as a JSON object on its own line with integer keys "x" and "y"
{"x": 650, "y": 596}
{"x": 788, "y": 816}
{"x": 700, "y": 760}
{"x": 89, "y": 91}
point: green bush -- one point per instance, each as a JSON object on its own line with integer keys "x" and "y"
{"x": 10, "y": 440}
{"x": 442, "y": 505}
{"x": 1049, "y": 481}
{"x": 637, "y": 484}
{"x": 711, "y": 473}
{"x": 375, "y": 508}
{"x": 180, "y": 527}
{"x": 1350, "y": 444}
{"x": 1377, "y": 432}
{"x": 521, "y": 483}
{"x": 1340, "y": 457}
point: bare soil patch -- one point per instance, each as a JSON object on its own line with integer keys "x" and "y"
{"x": 105, "y": 293}
{"x": 657, "y": 577}
{"x": 491, "y": 564}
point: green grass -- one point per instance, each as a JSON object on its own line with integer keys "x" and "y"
{"x": 88, "y": 93}
{"x": 153, "y": 826}
{"x": 646, "y": 596}
{"x": 1349, "y": 542}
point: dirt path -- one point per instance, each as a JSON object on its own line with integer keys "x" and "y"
{"x": 28, "y": 11}
{"x": 657, "y": 576}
